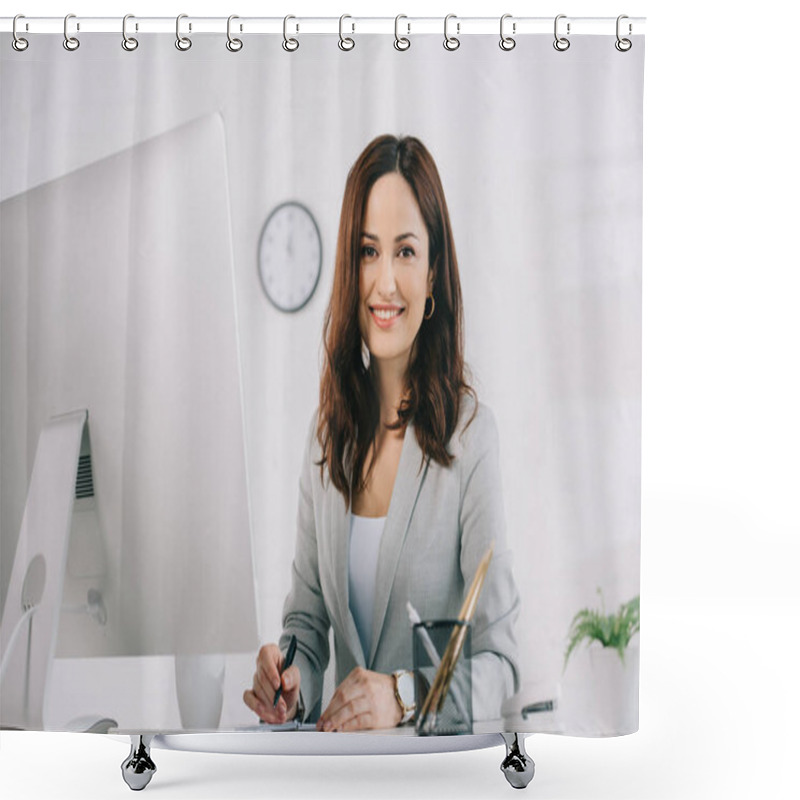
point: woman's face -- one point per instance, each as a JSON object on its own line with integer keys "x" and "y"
{"x": 395, "y": 277}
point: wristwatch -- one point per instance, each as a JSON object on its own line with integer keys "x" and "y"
{"x": 404, "y": 692}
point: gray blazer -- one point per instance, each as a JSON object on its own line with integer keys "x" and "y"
{"x": 440, "y": 523}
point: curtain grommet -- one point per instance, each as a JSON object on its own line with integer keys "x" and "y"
{"x": 71, "y": 43}
{"x": 623, "y": 45}
{"x": 18, "y": 42}
{"x": 346, "y": 43}
{"x": 129, "y": 43}
{"x": 233, "y": 44}
{"x": 401, "y": 42}
{"x": 561, "y": 43}
{"x": 451, "y": 43}
{"x": 290, "y": 44}
{"x": 507, "y": 43}
{"x": 183, "y": 43}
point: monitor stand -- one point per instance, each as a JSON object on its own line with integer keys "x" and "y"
{"x": 29, "y": 628}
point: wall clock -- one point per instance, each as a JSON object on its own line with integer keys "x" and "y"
{"x": 290, "y": 256}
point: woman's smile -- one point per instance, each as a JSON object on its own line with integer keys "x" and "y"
{"x": 385, "y": 316}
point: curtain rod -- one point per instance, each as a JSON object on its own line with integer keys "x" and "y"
{"x": 350, "y": 25}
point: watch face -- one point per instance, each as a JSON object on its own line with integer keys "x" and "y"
{"x": 405, "y": 688}
{"x": 290, "y": 256}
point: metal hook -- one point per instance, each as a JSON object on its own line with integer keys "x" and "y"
{"x": 451, "y": 42}
{"x": 234, "y": 45}
{"x": 128, "y": 42}
{"x": 401, "y": 43}
{"x": 346, "y": 43}
{"x": 507, "y": 42}
{"x": 290, "y": 44}
{"x": 623, "y": 45}
{"x": 18, "y": 43}
{"x": 181, "y": 42}
{"x": 561, "y": 43}
{"x": 70, "y": 42}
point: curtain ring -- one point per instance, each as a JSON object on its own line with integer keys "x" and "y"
{"x": 70, "y": 42}
{"x": 561, "y": 43}
{"x": 451, "y": 42}
{"x": 400, "y": 42}
{"x": 345, "y": 42}
{"x": 234, "y": 45}
{"x": 623, "y": 45}
{"x": 18, "y": 43}
{"x": 507, "y": 42}
{"x": 129, "y": 43}
{"x": 181, "y": 42}
{"x": 289, "y": 44}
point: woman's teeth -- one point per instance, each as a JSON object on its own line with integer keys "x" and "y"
{"x": 386, "y": 313}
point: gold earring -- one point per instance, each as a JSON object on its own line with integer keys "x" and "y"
{"x": 433, "y": 307}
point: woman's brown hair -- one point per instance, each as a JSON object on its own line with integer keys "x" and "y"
{"x": 348, "y": 400}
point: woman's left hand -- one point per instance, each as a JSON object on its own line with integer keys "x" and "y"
{"x": 364, "y": 699}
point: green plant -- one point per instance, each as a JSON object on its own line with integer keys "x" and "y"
{"x": 612, "y": 630}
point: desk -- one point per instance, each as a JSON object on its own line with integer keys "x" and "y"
{"x": 139, "y": 694}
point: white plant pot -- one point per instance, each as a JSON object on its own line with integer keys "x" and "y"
{"x": 600, "y": 693}
{"x": 616, "y": 687}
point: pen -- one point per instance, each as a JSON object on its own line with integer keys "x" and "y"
{"x": 430, "y": 648}
{"x": 287, "y": 662}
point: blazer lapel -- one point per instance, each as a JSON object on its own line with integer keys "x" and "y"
{"x": 411, "y": 473}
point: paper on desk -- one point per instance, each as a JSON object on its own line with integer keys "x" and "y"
{"x": 292, "y": 725}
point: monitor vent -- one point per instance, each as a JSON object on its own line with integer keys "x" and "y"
{"x": 84, "y": 485}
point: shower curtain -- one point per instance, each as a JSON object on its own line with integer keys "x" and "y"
{"x": 222, "y": 265}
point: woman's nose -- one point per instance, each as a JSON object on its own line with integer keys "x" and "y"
{"x": 386, "y": 281}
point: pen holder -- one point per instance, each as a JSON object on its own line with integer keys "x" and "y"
{"x": 449, "y": 710}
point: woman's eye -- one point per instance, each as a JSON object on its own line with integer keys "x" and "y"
{"x": 407, "y": 252}
{"x": 367, "y": 250}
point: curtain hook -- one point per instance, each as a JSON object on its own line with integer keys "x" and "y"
{"x": 623, "y": 45}
{"x": 234, "y": 45}
{"x": 18, "y": 43}
{"x": 129, "y": 43}
{"x": 451, "y": 42}
{"x": 181, "y": 42}
{"x": 401, "y": 43}
{"x": 507, "y": 42}
{"x": 70, "y": 42}
{"x": 289, "y": 44}
{"x": 346, "y": 43}
{"x": 561, "y": 43}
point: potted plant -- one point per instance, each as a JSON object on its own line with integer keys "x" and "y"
{"x": 612, "y": 630}
{"x": 605, "y": 691}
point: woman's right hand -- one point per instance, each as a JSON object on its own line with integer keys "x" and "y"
{"x": 266, "y": 680}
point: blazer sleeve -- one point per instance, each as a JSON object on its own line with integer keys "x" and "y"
{"x": 482, "y": 521}
{"x": 304, "y": 611}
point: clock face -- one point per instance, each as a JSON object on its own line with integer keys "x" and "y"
{"x": 290, "y": 256}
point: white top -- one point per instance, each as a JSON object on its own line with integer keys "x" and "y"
{"x": 365, "y": 543}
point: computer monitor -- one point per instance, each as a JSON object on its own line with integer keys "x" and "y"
{"x": 118, "y": 302}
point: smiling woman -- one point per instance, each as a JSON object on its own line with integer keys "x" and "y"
{"x": 407, "y": 498}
